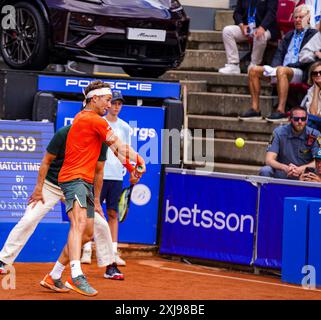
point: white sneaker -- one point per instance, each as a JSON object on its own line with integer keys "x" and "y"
{"x": 119, "y": 261}
{"x": 86, "y": 257}
{"x": 230, "y": 69}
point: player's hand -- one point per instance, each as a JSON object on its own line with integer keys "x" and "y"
{"x": 98, "y": 208}
{"x": 133, "y": 179}
{"x": 36, "y": 197}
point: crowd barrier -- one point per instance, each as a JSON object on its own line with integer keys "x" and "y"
{"x": 225, "y": 217}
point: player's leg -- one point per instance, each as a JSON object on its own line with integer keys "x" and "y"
{"x": 104, "y": 249}
{"x": 53, "y": 280}
{"x": 22, "y": 231}
{"x": 114, "y": 189}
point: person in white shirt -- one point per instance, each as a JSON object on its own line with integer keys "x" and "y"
{"x": 113, "y": 177}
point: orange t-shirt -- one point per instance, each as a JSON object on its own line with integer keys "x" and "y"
{"x": 83, "y": 146}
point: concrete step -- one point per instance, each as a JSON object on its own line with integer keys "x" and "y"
{"x": 234, "y": 168}
{"x": 210, "y": 40}
{"x": 194, "y": 85}
{"x": 224, "y": 150}
{"x": 205, "y": 60}
{"x": 223, "y": 18}
{"x": 230, "y": 105}
{"x": 232, "y": 128}
{"x": 217, "y": 82}
{"x": 210, "y": 60}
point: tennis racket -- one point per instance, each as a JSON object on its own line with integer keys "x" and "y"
{"x": 124, "y": 200}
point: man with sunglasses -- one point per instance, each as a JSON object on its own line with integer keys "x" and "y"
{"x": 291, "y": 148}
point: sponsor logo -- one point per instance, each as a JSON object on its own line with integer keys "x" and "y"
{"x": 143, "y": 133}
{"x": 141, "y": 195}
{"x": 115, "y": 85}
{"x": 208, "y": 219}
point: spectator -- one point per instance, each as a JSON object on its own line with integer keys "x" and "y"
{"x": 285, "y": 67}
{"x": 291, "y": 148}
{"x": 312, "y": 101}
{"x": 253, "y": 19}
{"x": 313, "y": 174}
{"x": 312, "y": 50}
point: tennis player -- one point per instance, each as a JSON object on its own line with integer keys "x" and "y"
{"x": 88, "y": 131}
{"x": 46, "y": 195}
{"x": 113, "y": 178}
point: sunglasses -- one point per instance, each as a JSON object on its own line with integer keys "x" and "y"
{"x": 316, "y": 73}
{"x": 296, "y": 119}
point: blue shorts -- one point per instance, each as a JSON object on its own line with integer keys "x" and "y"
{"x": 111, "y": 192}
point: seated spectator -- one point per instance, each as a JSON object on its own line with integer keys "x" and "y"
{"x": 291, "y": 148}
{"x": 312, "y": 50}
{"x": 315, "y": 9}
{"x": 285, "y": 67}
{"x": 313, "y": 174}
{"x": 312, "y": 101}
{"x": 253, "y": 19}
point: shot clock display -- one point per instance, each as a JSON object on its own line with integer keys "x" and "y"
{"x": 17, "y": 143}
{"x": 22, "y": 146}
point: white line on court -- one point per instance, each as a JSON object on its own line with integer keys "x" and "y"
{"x": 239, "y": 279}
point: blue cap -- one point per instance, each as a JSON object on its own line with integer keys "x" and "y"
{"x": 318, "y": 154}
{"x": 117, "y": 95}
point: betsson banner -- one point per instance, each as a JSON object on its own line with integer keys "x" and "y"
{"x": 208, "y": 217}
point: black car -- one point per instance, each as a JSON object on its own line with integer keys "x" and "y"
{"x": 144, "y": 37}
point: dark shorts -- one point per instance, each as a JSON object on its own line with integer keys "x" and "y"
{"x": 111, "y": 192}
{"x": 80, "y": 191}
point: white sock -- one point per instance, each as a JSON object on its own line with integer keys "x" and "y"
{"x": 115, "y": 247}
{"x": 57, "y": 271}
{"x": 87, "y": 246}
{"x": 75, "y": 268}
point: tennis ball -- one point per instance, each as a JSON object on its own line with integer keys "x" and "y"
{"x": 239, "y": 142}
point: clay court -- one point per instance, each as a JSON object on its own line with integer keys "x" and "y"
{"x": 149, "y": 279}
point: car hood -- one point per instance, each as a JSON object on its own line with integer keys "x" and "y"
{"x": 140, "y": 8}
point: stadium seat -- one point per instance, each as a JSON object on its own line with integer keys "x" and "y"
{"x": 284, "y": 16}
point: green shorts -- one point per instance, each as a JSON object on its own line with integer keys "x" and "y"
{"x": 80, "y": 191}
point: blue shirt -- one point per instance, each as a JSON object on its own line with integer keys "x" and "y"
{"x": 292, "y": 56}
{"x": 292, "y": 148}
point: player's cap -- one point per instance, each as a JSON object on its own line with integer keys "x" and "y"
{"x": 117, "y": 95}
{"x": 318, "y": 154}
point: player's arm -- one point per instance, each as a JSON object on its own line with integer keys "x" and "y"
{"x": 270, "y": 160}
{"x": 126, "y": 154}
{"x": 43, "y": 170}
{"x": 98, "y": 183}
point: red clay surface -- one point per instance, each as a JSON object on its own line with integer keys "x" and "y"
{"x": 159, "y": 279}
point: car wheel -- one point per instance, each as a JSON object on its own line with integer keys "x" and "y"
{"x": 26, "y": 45}
{"x": 144, "y": 72}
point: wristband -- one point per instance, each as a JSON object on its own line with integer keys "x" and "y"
{"x": 128, "y": 166}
